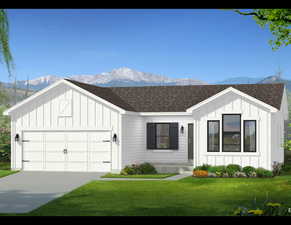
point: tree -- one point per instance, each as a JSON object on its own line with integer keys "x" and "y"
{"x": 278, "y": 20}
{"x": 5, "y": 54}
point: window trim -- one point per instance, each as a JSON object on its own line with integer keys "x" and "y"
{"x": 244, "y": 150}
{"x": 164, "y": 149}
{"x": 222, "y": 131}
{"x": 156, "y": 137}
{"x": 218, "y": 121}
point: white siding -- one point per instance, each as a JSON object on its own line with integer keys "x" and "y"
{"x": 43, "y": 114}
{"x": 233, "y": 103}
{"x": 133, "y": 139}
{"x": 172, "y": 156}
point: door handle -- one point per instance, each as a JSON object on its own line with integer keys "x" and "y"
{"x": 65, "y": 151}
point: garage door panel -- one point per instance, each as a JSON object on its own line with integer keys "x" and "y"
{"x": 76, "y": 136}
{"x": 77, "y": 156}
{"x": 95, "y": 147}
{"x": 33, "y": 136}
{"x": 76, "y": 166}
{"x": 54, "y": 136}
{"x": 33, "y": 146}
{"x": 33, "y": 156}
{"x": 80, "y": 146}
{"x": 86, "y": 151}
{"x": 55, "y": 147}
{"x": 54, "y": 166}
{"x": 100, "y": 156}
{"x": 33, "y": 166}
{"x": 102, "y": 167}
{"x": 55, "y": 156}
{"x": 99, "y": 136}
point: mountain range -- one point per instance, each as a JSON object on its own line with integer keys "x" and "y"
{"x": 129, "y": 77}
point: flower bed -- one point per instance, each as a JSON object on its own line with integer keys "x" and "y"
{"x": 234, "y": 170}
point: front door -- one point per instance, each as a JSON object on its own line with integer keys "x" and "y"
{"x": 190, "y": 141}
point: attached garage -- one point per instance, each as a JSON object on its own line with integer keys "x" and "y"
{"x": 67, "y": 151}
{"x": 65, "y": 128}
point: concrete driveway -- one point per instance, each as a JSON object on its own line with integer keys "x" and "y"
{"x": 25, "y": 191}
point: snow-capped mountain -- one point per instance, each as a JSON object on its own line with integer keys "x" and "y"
{"x": 118, "y": 77}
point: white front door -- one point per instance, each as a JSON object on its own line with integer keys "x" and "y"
{"x": 67, "y": 150}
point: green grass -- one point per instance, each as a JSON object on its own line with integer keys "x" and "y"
{"x": 186, "y": 197}
{"x": 4, "y": 165}
{"x": 5, "y": 169}
{"x": 152, "y": 176}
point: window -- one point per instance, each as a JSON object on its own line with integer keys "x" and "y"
{"x": 213, "y": 136}
{"x": 162, "y": 136}
{"x": 250, "y": 130}
{"x": 231, "y": 133}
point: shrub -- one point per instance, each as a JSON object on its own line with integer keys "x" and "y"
{"x": 248, "y": 170}
{"x": 218, "y": 170}
{"x": 235, "y": 167}
{"x": 127, "y": 170}
{"x": 200, "y": 173}
{"x": 147, "y": 168}
{"x": 4, "y": 144}
{"x": 203, "y": 167}
{"x": 277, "y": 168}
{"x": 261, "y": 172}
{"x": 286, "y": 168}
{"x": 144, "y": 168}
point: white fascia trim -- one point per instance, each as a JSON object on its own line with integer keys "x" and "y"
{"x": 231, "y": 89}
{"x": 165, "y": 113}
{"x": 8, "y": 111}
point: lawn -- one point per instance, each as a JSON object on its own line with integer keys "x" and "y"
{"x": 145, "y": 176}
{"x": 189, "y": 196}
{"x": 5, "y": 169}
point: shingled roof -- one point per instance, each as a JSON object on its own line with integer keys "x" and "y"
{"x": 178, "y": 98}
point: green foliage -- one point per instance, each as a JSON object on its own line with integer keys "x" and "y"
{"x": 235, "y": 167}
{"x": 4, "y": 136}
{"x": 5, "y": 54}
{"x": 286, "y": 168}
{"x": 278, "y": 20}
{"x": 144, "y": 168}
{"x": 218, "y": 170}
{"x": 203, "y": 167}
{"x": 261, "y": 172}
{"x": 249, "y": 170}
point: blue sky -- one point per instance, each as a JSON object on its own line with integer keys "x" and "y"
{"x": 204, "y": 44}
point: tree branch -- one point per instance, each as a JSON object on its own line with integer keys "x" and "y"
{"x": 261, "y": 17}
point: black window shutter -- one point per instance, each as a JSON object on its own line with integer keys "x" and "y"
{"x": 151, "y": 136}
{"x": 174, "y": 136}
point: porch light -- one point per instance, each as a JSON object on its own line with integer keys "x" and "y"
{"x": 182, "y": 130}
{"x": 16, "y": 137}
{"x": 114, "y": 138}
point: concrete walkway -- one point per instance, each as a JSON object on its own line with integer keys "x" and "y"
{"x": 176, "y": 177}
{"x": 25, "y": 191}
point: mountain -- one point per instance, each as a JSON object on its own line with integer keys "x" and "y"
{"x": 240, "y": 80}
{"x": 276, "y": 79}
{"x": 118, "y": 77}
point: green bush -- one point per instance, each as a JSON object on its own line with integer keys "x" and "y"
{"x": 248, "y": 170}
{"x": 261, "y": 172}
{"x": 147, "y": 168}
{"x": 286, "y": 168}
{"x": 235, "y": 167}
{"x": 218, "y": 170}
{"x": 144, "y": 168}
{"x": 203, "y": 167}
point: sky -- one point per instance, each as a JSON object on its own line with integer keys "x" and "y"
{"x": 205, "y": 44}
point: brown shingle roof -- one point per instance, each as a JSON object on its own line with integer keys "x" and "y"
{"x": 178, "y": 98}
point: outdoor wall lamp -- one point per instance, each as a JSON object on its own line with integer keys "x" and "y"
{"x": 114, "y": 138}
{"x": 182, "y": 130}
{"x": 16, "y": 137}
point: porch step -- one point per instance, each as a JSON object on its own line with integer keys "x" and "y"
{"x": 180, "y": 168}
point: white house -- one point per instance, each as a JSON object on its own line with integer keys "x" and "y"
{"x": 72, "y": 126}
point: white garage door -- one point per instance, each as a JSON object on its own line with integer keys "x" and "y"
{"x": 67, "y": 151}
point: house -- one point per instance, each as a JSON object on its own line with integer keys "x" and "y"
{"x": 72, "y": 126}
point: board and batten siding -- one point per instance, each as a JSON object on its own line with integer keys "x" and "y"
{"x": 43, "y": 114}
{"x": 232, "y": 103}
